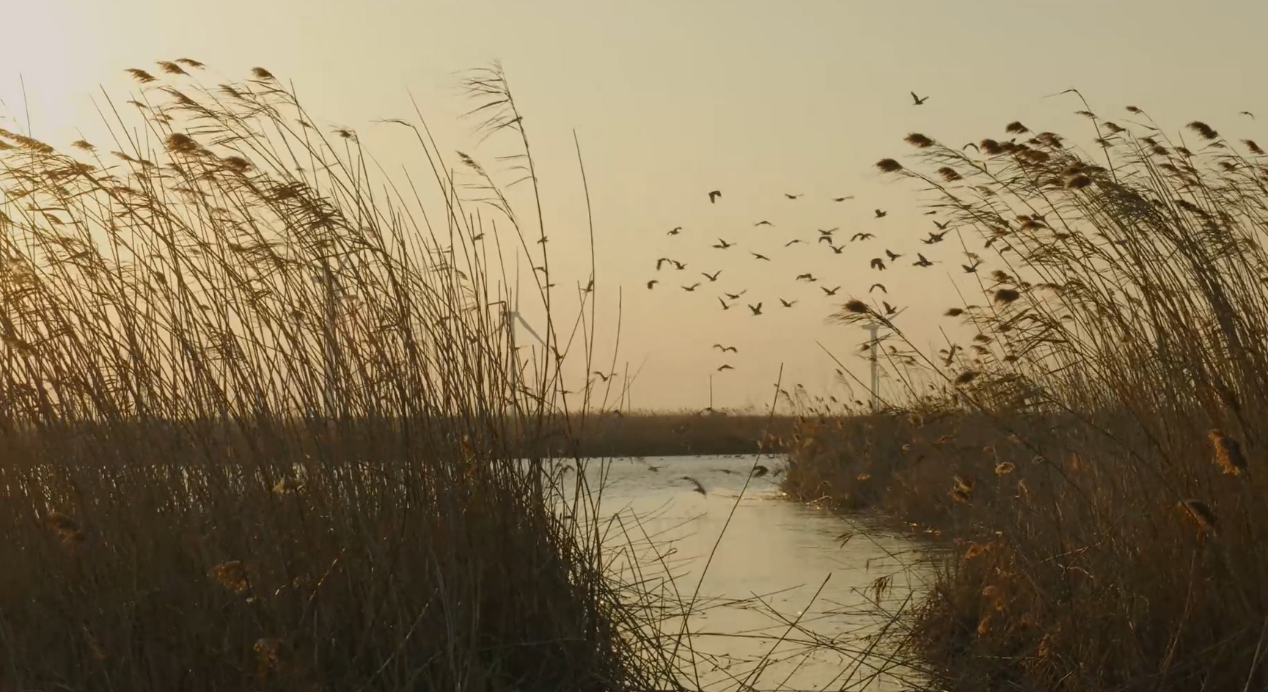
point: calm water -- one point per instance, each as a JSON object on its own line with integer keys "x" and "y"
{"x": 773, "y": 557}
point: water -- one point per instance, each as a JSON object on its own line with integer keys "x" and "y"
{"x": 774, "y": 556}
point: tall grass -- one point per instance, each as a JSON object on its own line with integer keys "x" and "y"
{"x": 1096, "y": 446}
{"x": 261, "y": 416}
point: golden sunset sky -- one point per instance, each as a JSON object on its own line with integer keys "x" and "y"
{"x": 670, "y": 100}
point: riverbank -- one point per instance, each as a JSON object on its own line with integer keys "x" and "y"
{"x": 661, "y": 434}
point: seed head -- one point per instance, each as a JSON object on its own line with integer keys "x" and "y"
{"x": 954, "y": 312}
{"x": 857, "y": 307}
{"x": 182, "y": 144}
{"x": 1204, "y": 131}
{"x": 919, "y": 141}
{"x": 991, "y": 147}
{"x": 1006, "y": 295}
{"x": 949, "y": 174}
{"x": 1201, "y": 515}
{"x": 1228, "y": 452}
{"x": 261, "y": 73}
{"x": 965, "y": 377}
{"x": 140, "y": 75}
{"x": 889, "y": 166}
{"x": 1016, "y": 128}
{"x": 232, "y": 575}
{"x": 1004, "y": 468}
{"x": 1254, "y": 148}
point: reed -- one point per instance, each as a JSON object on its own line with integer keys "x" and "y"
{"x": 1091, "y": 437}
{"x": 262, "y": 424}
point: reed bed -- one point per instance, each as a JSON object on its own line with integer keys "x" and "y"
{"x": 1093, "y": 442}
{"x": 263, "y": 425}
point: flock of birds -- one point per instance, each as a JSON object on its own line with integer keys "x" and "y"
{"x": 826, "y": 236}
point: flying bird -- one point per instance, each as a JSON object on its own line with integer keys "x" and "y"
{"x": 786, "y": 303}
{"x": 878, "y": 264}
{"x": 725, "y": 367}
{"x": 679, "y": 265}
{"x": 711, "y": 277}
{"x": 922, "y": 262}
{"x": 760, "y": 256}
{"x": 971, "y": 268}
{"x": 889, "y": 309}
{"x": 661, "y": 261}
{"x": 722, "y": 244}
{"x": 763, "y": 222}
{"x": 880, "y": 286}
{"x": 713, "y": 196}
{"x": 861, "y": 236}
{"x": 807, "y": 277}
{"x": 934, "y": 238}
{"x": 757, "y": 309}
{"x": 793, "y": 242}
{"x": 829, "y": 292}
{"x": 724, "y": 349}
{"x": 790, "y": 196}
{"x": 691, "y": 288}
{"x": 724, "y": 304}
{"x": 881, "y": 214}
{"x": 919, "y": 100}
{"x": 836, "y": 248}
{"x": 941, "y": 226}
{"x": 652, "y": 283}
{"x": 676, "y": 231}
{"x": 892, "y": 255}
{"x": 602, "y": 375}
{"x": 1252, "y": 115}
{"x": 736, "y": 296}
{"x": 842, "y": 199}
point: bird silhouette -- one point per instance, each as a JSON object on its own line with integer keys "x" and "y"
{"x": 836, "y": 248}
{"x": 828, "y": 291}
{"x": 786, "y": 303}
{"x": 722, "y": 244}
{"x": 941, "y": 226}
{"x": 889, "y": 309}
{"x": 691, "y": 288}
{"x": 652, "y": 283}
{"x": 934, "y": 238}
{"x": 763, "y": 222}
{"x": 675, "y": 231}
{"x": 922, "y": 262}
{"x": 793, "y": 242}
{"x": 759, "y": 471}
{"x": 878, "y": 264}
{"x": 725, "y": 367}
{"x": 724, "y": 304}
{"x": 919, "y": 101}
{"x": 698, "y": 488}
{"x": 842, "y": 199}
{"x": 791, "y": 196}
{"x": 807, "y": 277}
{"x": 601, "y": 375}
{"x": 725, "y": 349}
{"x": 757, "y": 309}
{"x": 711, "y": 277}
{"x": 881, "y": 214}
{"x": 892, "y": 255}
{"x": 760, "y": 256}
{"x": 971, "y": 268}
{"x": 861, "y": 236}
{"x": 880, "y": 286}
{"x": 736, "y": 296}
{"x": 679, "y": 265}
{"x": 661, "y": 261}
{"x": 713, "y": 196}
{"x": 1252, "y": 115}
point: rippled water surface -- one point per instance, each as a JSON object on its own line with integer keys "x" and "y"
{"x": 773, "y": 557}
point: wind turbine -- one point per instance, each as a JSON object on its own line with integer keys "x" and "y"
{"x": 872, "y": 327}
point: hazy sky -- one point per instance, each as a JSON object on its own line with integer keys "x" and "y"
{"x": 673, "y": 99}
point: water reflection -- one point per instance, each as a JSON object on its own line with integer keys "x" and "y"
{"x": 779, "y": 571}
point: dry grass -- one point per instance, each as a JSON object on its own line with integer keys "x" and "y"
{"x": 257, "y": 413}
{"x": 1106, "y": 536}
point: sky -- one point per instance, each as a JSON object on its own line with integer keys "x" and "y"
{"x": 670, "y": 100}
